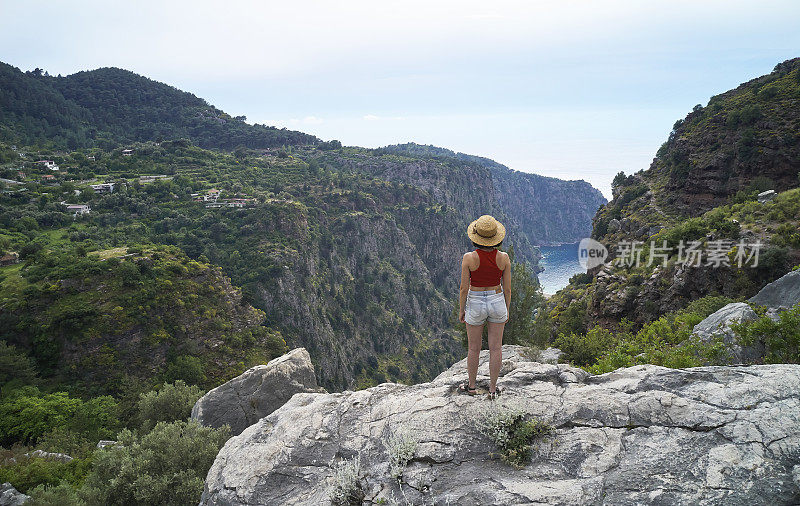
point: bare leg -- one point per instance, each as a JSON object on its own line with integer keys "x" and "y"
{"x": 495, "y": 352}
{"x": 474, "y": 333}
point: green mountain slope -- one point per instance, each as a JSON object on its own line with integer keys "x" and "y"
{"x": 110, "y": 106}
{"x": 743, "y": 140}
{"x": 352, "y": 253}
{"x": 701, "y": 186}
{"x": 117, "y": 320}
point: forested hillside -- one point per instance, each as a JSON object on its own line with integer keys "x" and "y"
{"x": 110, "y": 106}
{"x": 701, "y": 194}
{"x": 153, "y": 247}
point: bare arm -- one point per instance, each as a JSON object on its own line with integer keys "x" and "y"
{"x": 462, "y": 294}
{"x": 506, "y": 280}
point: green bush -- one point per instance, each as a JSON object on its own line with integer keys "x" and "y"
{"x": 166, "y": 466}
{"x": 174, "y": 401}
{"x": 513, "y": 431}
{"x": 26, "y": 414}
{"x": 585, "y": 349}
{"x": 781, "y": 338}
{"x": 28, "y": 473}
{"x": 187, "y": 368}
{"x": 62, "y": 494}
{"x": 667, "y": 341}
{"x": 688, "y": 230}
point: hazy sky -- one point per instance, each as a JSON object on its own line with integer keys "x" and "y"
{"x": 576, "y": 90}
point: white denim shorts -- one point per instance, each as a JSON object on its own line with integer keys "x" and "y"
{"x": 485, "y": 305}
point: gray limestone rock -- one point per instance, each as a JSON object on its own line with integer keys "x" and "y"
{"x": 719, "y": 324}
{"x": 784, "y": 292}
{"x": 257, "y": 392}
{"x": 9, "y": 496}
{"x": 640, "y": 435}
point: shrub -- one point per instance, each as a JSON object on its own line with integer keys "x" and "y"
{"x": 187, "y": 368}
{"x": 781, "y": 338}
{"x": 165, "y": 466}
{"x": 513, "y": 432}
{"x": 174, "y": 401}
{"x": 58, "y": 495}
{"x": 585, "y": 349}
{"x": 667, "y": 341}
{"x": 26, "y": 414}
{"x": 400, "y": 446}
{"x": 28, "y": 473}
{"x": 688, "y": 230}
{"x": 346, "y": 489}
{"x": 581, "y": 278}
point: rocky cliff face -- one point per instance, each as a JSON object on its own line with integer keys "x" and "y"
{"x": 540, "y": 210}
{"x": 742, "y": 135}
{"x": 702, "y": 186}
{"x": 641, "y": 435}
{"x": 371, "y": 294}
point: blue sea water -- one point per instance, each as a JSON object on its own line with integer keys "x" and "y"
{"x": 560, "y": 263}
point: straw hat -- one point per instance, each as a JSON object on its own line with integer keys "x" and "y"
{"x": 486, "y": 231}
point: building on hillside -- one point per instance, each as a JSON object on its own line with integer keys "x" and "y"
{"x": 78, "y": 209}
{"x": 211, "y": 195}
{"x": 103, "y": 188}
{"x": 9, "y": 258}
{"x": 48, "y": 164}
{"x": 90, "y": 158}
{"x": 127, "y": 152}
{"x": 21, "y": 174}
{"x": 48, "y": 178}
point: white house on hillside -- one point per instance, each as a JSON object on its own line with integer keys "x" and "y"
{"x": 78, "y": 209}
{"x": 50, "y": 164}
{"x": 103, "y": 188}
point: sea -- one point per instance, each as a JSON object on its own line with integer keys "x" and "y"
{"x": 560, "y": 263}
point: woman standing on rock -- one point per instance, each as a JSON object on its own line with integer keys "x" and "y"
{"x": 485, "y": 296}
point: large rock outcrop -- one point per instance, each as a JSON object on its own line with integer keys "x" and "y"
{"x": 720, "y": 324}
{"x": 639, "y": 435}
{"x": 784, "y": 292}
{"x": 9, "y": 496}
{"x": 257, "y": 392}
{"x": 781, "y": 294}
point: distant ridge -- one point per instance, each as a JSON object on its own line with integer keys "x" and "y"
{"x": 545, "y": 209}
{"x": 110, "y": 106}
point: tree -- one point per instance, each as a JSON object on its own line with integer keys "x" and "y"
{"x": 619, "y": 180}
{"x": 16, "y": 368}
{"x": 526, "y": 296}
{"x": 173, "y": 402}
{"x": 165, "y": 466}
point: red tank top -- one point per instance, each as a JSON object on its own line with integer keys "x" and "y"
{"x": 487, "y": 273}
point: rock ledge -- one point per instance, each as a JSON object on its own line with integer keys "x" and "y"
{"x": 639, "y": 435}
